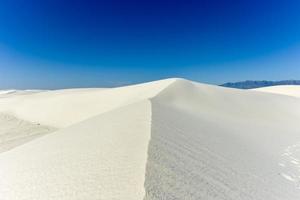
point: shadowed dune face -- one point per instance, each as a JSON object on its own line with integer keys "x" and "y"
{"x": 15, "y": 132}
{"x": 170, "y": 139}
{"x": 219, "y": 144}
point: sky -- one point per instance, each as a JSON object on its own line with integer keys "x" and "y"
{"x": 53, "y": 44}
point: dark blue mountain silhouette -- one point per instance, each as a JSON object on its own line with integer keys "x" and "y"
{"x": 257, "y": 84}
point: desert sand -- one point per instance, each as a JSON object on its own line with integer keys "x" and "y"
{"x": 290, "y": 90}
{"x": 168, "y": 139}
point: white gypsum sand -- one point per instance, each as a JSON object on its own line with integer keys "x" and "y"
{"x": 290, "y": 90}
{"x": 169, "y": 139}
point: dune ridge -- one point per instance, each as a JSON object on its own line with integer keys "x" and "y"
{"x": 170, "y": 139}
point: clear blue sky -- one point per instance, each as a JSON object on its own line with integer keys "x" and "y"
{"x": 71, "y": 43}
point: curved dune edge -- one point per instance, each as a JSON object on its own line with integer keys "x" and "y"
{"x": 182, "y": 140}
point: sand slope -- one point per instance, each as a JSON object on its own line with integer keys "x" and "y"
{"x": 170, "y": 139}
{"x": 211, "y": 143}
{"x": 101, "y": 158}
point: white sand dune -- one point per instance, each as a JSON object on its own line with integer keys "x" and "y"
{"x": 7, "y": 91}
{"x": 62, "y": 108}
{"x": 290, "y": 90}
{"x": 169, "y": 139}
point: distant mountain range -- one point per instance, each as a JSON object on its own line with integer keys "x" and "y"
{"x": 258, "y": 84}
